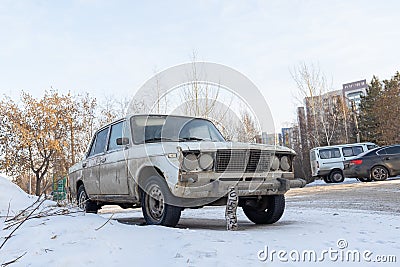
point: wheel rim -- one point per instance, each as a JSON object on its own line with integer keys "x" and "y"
{"x": 82, "y": 200}
{"x": 379, "y": 173}
{"x": 337, "y": 177}
{"x": 155, "y": 202}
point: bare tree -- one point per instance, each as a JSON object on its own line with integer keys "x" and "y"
{"x": 326, "y": 112}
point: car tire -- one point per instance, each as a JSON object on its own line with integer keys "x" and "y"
{"x": 155, "y": 196}
{"x": 84, "y": 202}
{"x": 326, "y": 179}
{"x": 336, "y": 176}
{"x": 364, "y": 179}
{"x": 379, "y": 173}
{"x": 267, "y": 211}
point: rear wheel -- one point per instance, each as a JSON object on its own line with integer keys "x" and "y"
{"x": 84, "y": 202}
{"x": 155, "y": 206}
{"x": 336, "y": 176}
{"x": 379, "y": 173}
{"x": 267, "y": 211}
{"x": 327, "y": 179}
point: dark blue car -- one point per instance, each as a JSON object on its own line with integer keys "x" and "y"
{"x": 374, "y": 165}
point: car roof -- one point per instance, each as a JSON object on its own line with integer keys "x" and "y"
{"x": 146, "y": 114}
{"x": 343, "y": 145}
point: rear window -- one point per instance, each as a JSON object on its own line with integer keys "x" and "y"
{"x": 312, "y": 155}
{"x": 352, "y": 151}
{"x": 329, "y": 153}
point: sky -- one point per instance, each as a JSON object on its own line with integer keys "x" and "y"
{"x": 112, "y": 47}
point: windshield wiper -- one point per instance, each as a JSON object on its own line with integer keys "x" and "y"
{"x": 157, "y": 139}
{"x": 192, "y": 139}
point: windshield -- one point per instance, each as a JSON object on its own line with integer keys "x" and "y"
{"x": 172, "y": 128}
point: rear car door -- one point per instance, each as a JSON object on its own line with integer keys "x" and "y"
{"x": 391, "y": 159}
{"x": 114, "y": 169}
{"x": 91, "y": 166}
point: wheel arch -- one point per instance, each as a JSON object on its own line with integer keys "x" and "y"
{"x": 146, "y": 172}
{"x": 78, "y": 184}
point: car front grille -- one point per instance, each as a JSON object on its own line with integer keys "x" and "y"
{"x": 242, "y": 160}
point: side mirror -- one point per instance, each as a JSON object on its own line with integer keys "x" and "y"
{"x": 123, "y": 141}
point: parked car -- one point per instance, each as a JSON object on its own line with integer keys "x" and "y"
{"x": 168, "y": 163}
{"x": 375, "y": 165}
{"x": 327, "y": 161}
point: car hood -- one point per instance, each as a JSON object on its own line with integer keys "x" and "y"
{"x": 213, "y": 146}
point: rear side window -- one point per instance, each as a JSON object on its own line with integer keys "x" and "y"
{"x": 352, "y": 151}
{"x": 99, "y": 143}
{"x": 390, "y": 150}
{"x": 329, "y": 153}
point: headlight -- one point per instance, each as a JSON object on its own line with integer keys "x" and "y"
{"x": 190, "y": 162}
{"x": 206, "y": 162}
{"x": 274, "y": 163}
{"x": 285, "y": 163}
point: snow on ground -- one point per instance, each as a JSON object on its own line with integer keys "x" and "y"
{"x": 200, "y": 239}
{"x": 13, "y": 196}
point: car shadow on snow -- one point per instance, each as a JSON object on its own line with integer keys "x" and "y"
{"x": 208, "y": 224}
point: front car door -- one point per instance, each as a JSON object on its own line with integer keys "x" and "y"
{"x": 91, "y": 166}
{"x": 114, "y": 169}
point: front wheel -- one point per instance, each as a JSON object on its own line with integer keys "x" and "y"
{"x": 379, "y": 173}
{"x": 84, "y": 202}
{"x": 267, "y": 211}
{"x": 155, "y": 207}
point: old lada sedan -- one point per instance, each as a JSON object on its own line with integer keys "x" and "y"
{"x": 165, "y": 164}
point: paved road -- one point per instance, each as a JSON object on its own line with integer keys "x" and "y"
{"x": 373, "y": 196}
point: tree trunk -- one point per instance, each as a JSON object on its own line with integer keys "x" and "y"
{"x": 38, "y": 184}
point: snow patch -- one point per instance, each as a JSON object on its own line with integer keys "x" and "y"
{"x": 13, "y": 196}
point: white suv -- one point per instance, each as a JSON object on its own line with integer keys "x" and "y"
{"x": 327, "y": 161}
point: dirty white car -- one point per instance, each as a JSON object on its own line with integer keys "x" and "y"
{"x": 168, "y": 163}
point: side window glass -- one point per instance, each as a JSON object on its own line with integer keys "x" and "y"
{"x": 393, "y": 150}
{"x": 116, "y": 132}
{"x": 369, "y": 147}
{"x": 101, "y": 140}
{"x": 329, "y": 153}
{"x": 381, "y": 152}
{"x": 357, "y": 150}
{"x": 336, "y": 153}
{"x": 347, "y": 151}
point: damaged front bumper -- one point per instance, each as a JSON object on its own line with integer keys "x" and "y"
{"x": 208, "y": 186}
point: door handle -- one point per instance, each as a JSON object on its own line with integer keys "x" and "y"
{"x": 103, "y": 160}
{"x": 387, "y": 158}
{"x": 84, "y": 164}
